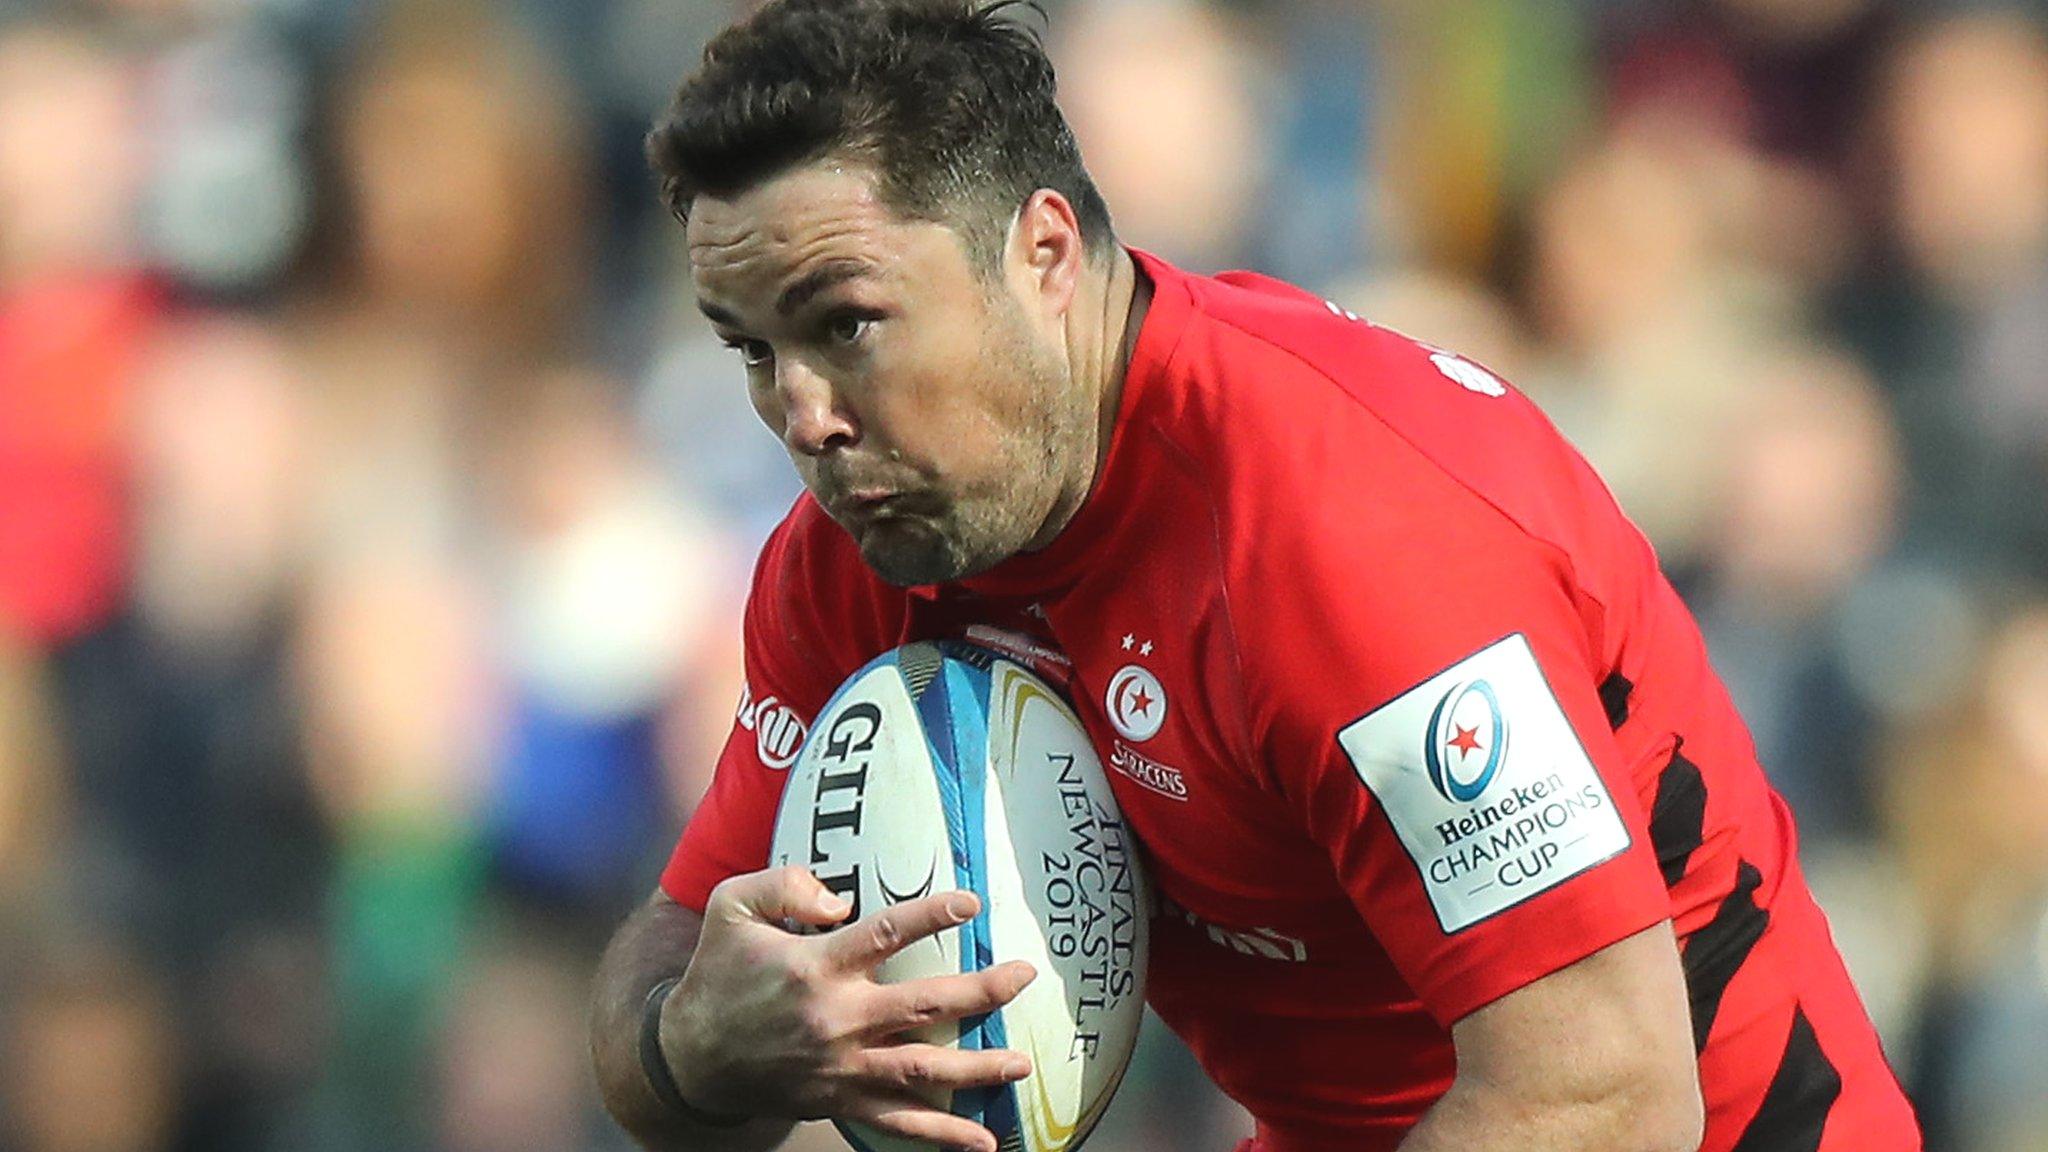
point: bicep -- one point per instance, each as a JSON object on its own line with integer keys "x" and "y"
{"x": 1610, "y": 1031}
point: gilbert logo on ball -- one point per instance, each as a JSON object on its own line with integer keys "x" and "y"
{"x": 945, "y": 765}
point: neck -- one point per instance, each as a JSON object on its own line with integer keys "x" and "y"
{"x": 1103, "y": 325}
{"x": 1128, "y": 299}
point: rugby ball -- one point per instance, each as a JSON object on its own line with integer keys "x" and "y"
{"x": 946, "y": 765}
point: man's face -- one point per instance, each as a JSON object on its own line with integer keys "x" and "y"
{"x": 928, "y": 409}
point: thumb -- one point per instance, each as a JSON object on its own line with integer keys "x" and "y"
{"x": 790, "y": 895}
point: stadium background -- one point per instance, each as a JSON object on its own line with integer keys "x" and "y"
{"x": 373, "y": 508}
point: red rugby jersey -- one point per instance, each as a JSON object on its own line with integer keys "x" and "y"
{"x": 1402, "y": 710}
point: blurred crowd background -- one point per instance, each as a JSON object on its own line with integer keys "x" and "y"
{"x": 374, "y": 509}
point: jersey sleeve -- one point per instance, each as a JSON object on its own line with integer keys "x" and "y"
{"x": 786, "y": 685}
{"x": 1437, "y": 721}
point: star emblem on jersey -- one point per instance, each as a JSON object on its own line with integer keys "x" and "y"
{"x": 1136, "y": 703}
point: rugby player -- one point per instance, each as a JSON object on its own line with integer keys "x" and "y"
{"x": 1463, "y": 845}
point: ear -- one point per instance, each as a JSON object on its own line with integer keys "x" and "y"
{"x": 1047, "y": 254}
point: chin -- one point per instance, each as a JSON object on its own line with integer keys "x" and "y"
{"x": 910, "y": 553}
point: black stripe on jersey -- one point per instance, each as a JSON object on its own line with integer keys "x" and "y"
{"x": 1713, "y": 954}
{"x": 1614, "y": 693}
{"x": 1678, "y": 817}
{"x": 1796, "y": 1105}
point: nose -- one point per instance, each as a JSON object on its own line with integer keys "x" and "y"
{"x": 814, "y": 421}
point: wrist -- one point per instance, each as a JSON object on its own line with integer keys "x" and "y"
{"x": 660, "y": 1071}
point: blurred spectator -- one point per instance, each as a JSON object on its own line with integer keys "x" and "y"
{"x": 1972, "y": 206}
{"x": 1952, "y": 321}
{"x": 220, "y": 458}
{"x": 468, "y": 185}
{"x": 90, "y": 1059}
{"x": 227, "y": 109}
{"x": 512, "y": 1071}
{"x": 184, "y": 831}
{"x": 1806, "y": 509}
{"x": 614, "y": 601}
{"x": 399, "y": 729}
{"x": 32, "y": 783}
{"x": 1968, "y": 795}
{"x": 1486, "y": 99}
{"x": 73, "y": 317}
{"x": 1166, "y": 101}
{"x": 1657, "y": 326}
{"x": 1789, "y": 77}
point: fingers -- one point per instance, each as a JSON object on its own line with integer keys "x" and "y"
{"x": 917, "y": 1120}
{"x": 912, "y": 1005}
{"x": 861, "y": 946}
{"x": 780, "y": 895}
{"x": 922, "y": 1068}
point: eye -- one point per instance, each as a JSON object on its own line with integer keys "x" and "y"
{"x": 753, "y": 353}
{"x": 848, "y": 327}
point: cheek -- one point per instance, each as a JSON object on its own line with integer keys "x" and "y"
{"x": 960, "y": 399}
{"x": 941, "y": 422}
{"x": 762, "y": 397}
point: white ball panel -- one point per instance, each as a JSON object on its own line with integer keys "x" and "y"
{"x": 1084, "y": 910}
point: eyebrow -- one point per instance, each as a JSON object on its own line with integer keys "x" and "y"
{"x": 830, "y": 276}
{"x": 800, "y": 293}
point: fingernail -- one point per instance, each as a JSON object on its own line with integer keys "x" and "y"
{"x": 1017, "y": 1069}
{"x": 960, "y": 906}
{"x": 832, "y": 905}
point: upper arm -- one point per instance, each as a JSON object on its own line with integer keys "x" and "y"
{"x": 1428, "y": 688}
{"x": 1461, "y": 776}
{"x": 1608, "y": 1038}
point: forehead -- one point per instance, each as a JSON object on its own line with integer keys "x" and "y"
{"x": 820, "y": 212}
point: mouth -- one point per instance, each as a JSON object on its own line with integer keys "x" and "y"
{"x": 873, "y": 505}
{"x": 868, "y": 504}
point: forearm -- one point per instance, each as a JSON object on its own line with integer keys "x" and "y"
{"x": 654, "y": 944}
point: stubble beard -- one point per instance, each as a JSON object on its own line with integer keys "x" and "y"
{"x": 995, "y": 520}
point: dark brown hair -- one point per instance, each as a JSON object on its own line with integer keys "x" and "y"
{"x": 951, "y": 101}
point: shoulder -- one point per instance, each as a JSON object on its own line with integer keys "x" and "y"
{"x": 1377, "y": 494}
{"x": 1309, "y": 387}
{"x": 1312, "y": 424}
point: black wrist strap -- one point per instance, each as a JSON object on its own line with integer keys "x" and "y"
{"x": 654, "y": 1065}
